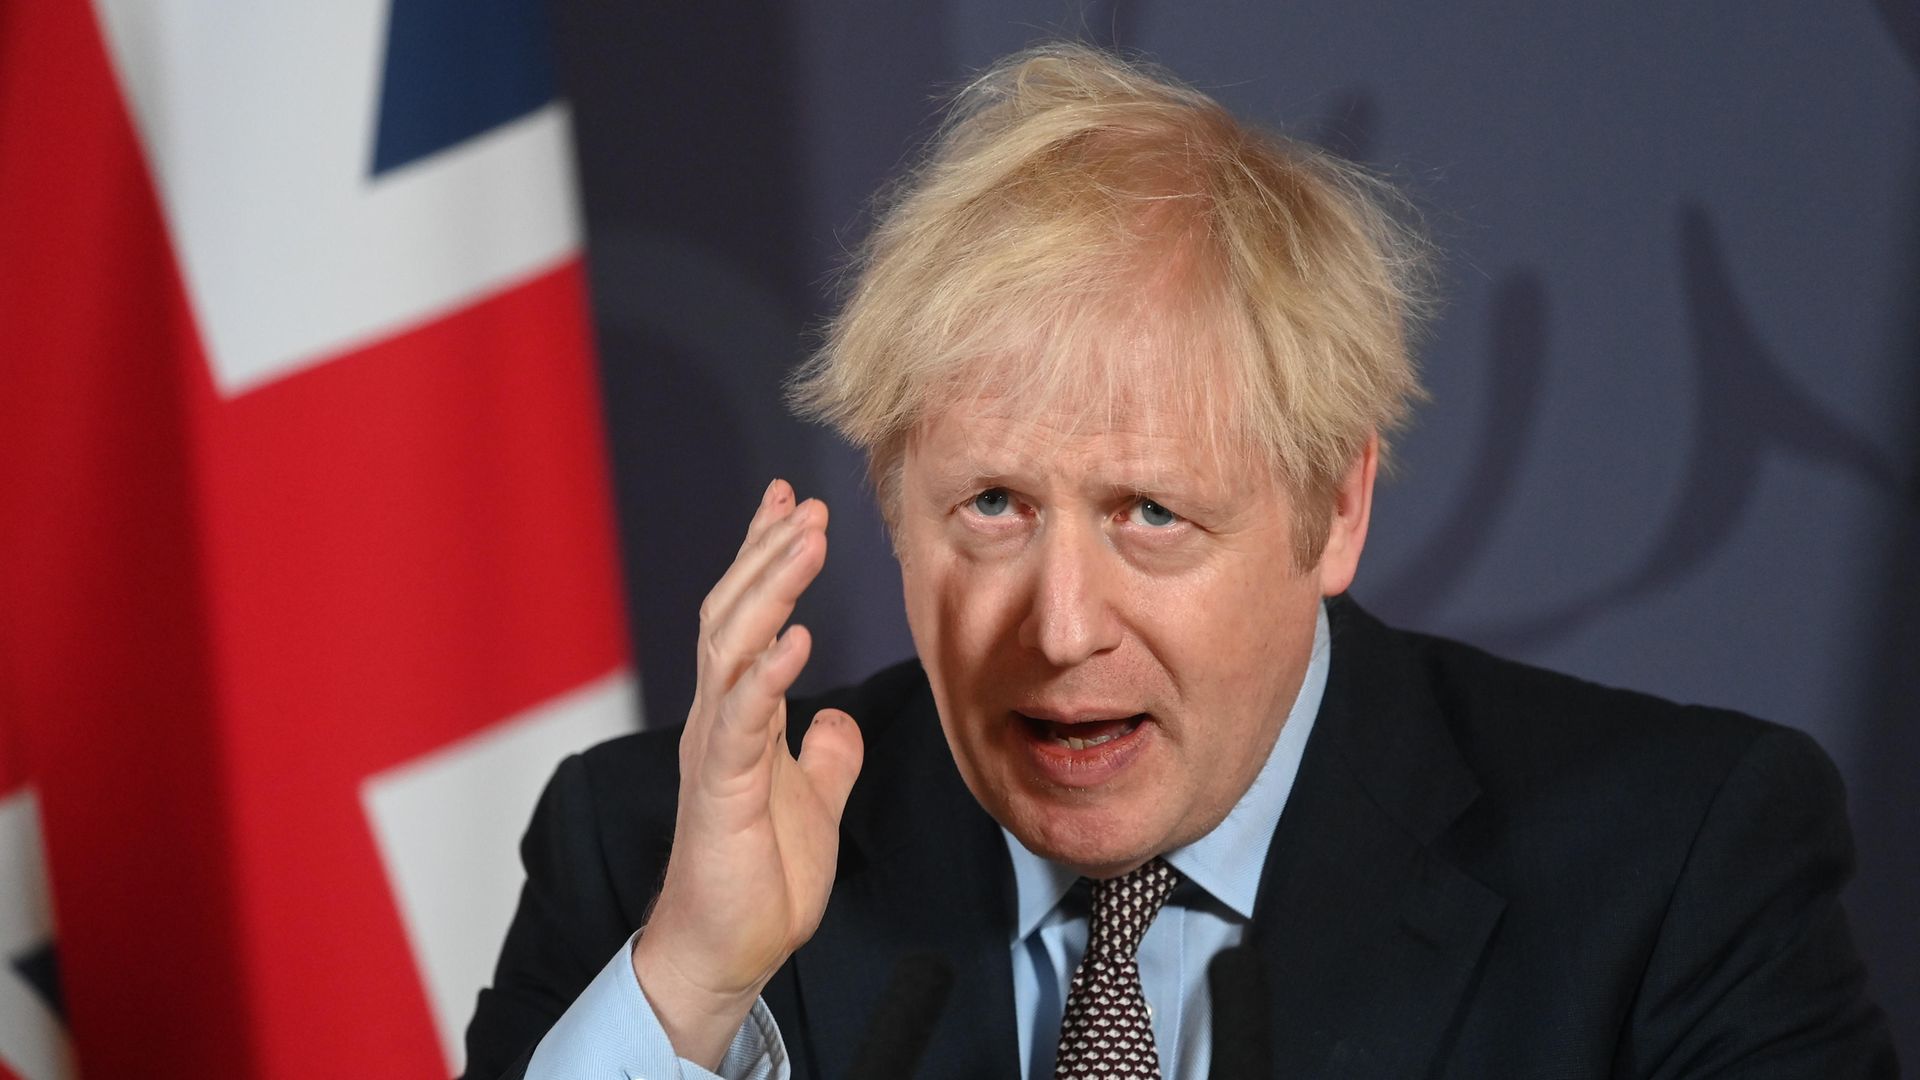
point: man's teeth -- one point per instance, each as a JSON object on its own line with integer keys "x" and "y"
{"x": 1072, "y": 742}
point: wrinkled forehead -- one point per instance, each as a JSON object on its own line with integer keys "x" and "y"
{"x": 1125, "y": 412}
{"x": 1129, "y": 369}
{"x": 964, "y": 449}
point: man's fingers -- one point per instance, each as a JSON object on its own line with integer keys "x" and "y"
{"x": 756, "y": 613}
{"x": 776, "y": 519}
{"x": 745, "y": 664}
{"x": 830, "y": 755}
{"x": 775, "y": 503}
{"x": 757, "y": 560}
{"x": 740, "y": 738}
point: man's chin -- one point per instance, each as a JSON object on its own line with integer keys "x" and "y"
{"x": 1098, "y": 832}
{"x": 1086, "y": 840}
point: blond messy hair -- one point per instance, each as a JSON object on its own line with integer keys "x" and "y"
{"x": 1082, "y": 223}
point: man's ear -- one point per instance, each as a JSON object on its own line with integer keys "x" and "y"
{"x": 1347, "y": 525}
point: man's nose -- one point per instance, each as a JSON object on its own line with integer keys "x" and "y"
{"x": 1072, "y": 617}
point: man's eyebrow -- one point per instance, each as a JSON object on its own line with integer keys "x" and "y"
{"x": 961, "y": 474}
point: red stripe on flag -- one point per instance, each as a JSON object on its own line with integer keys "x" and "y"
{"x": 108, "y": 689}
{"x": 420, "y": 531}
{"x": 411, "y": 543}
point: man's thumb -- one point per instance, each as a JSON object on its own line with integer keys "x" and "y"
{"x": 830, "y": 755}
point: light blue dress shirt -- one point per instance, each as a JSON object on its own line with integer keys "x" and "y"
{"x": 610, "y": 1030}
{"x": 1195, "y": 925}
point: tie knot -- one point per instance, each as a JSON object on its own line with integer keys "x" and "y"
{"x": 1123, "y": 907}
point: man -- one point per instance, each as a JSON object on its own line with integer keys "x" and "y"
{"x": 1123, "y": 369}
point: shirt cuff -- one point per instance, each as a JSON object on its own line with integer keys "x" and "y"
{"x": 610, "y": 1031}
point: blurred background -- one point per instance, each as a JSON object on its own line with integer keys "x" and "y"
{"x": 388, "y": 380}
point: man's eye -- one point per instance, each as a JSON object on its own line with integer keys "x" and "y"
{"x": 991, "y": 503}
{"x": 1148, "y": 512}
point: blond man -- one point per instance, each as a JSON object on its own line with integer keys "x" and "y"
{"x": 1125, "y": 370}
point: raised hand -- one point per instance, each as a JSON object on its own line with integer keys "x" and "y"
{"x": 757, "y": 833}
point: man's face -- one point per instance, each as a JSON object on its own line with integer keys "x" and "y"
{"x": 1111, "y": 618}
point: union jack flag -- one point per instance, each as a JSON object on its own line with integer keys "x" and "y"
{"x": 307, "y": 562}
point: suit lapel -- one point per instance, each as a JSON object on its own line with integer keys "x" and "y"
{"x": 1370, "y": 938}
{"x": 923, "y": 869}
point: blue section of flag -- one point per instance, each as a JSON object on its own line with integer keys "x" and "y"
{"x": 457, "y": 68}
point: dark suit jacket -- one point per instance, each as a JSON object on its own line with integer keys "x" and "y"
{"x": 1484, "y": 870}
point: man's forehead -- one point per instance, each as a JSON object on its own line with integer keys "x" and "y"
{"x": 1140, "y": 448}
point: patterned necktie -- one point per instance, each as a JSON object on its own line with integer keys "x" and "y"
{"x": 1106, "y": 1031}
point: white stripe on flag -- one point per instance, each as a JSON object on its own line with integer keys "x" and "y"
{"x": 259, "y": 122}
{"x": 32, "y": 1041}
{"x": 449, "y": 824}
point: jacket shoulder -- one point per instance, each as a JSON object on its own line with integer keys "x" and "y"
{"x": 1681, "y": 864}
{"x": 1514, "y": 720}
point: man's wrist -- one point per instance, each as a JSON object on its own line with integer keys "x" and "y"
{"x": 699, "y": 1022}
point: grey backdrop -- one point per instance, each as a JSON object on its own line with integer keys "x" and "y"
{"x": 1673, "y": 440}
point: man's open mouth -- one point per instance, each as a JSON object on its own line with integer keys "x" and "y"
{"x": 1086, "y": 734}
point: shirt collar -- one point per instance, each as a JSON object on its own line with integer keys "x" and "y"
{"x": 1227, "y": 861}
